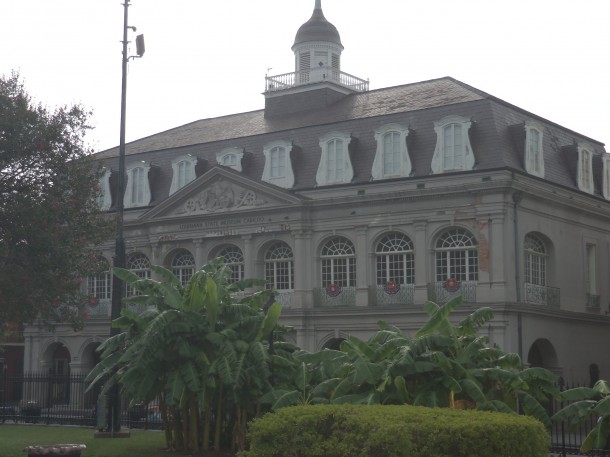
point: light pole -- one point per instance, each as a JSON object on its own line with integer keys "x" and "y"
{"x": 114, "y": 422}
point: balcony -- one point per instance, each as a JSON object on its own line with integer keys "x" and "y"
{"x": 391, "y": 294}
{"x": 541, "y": 295}
{"x": 284, "y": 297}
{"x": 593, "y": 302}
{"x": 440, "y": 292}
{"x": 334, "y": 296}
{"x": 321, "y": 74}
{"x": 98, "y": 309}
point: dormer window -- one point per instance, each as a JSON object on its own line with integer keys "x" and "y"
{"x": 104, "y": 197}
{"x": 278, "y": 166}
{"x": 335, "y": 164}
{"x": 184, "y": 172}
{"x": 137, "y": 191}
{"x": 606, "y": 184}
{"x": 392, "y": 157}
{"x": 453, "y": 151}
{"x": 230, "y": 157}
{"x": 585, "y": 169}
{"x": 534, "y": 157}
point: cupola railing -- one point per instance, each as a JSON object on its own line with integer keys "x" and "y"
{"x": 314, "y": 75}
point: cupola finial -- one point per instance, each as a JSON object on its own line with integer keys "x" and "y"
{"x": 318, "y": 5}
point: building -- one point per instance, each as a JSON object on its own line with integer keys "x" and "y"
{"x": 360, "y": 205}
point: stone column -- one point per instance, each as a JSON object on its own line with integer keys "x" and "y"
{"x": 362, "y": 266}
{"x": 249, "y": 257}
{"x": 199, "y": 260}
{"x": 422, "y": 255}
{"x": 304, "y": 261}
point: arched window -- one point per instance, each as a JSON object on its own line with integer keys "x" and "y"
{"x": 99, "y": 285}
{"x": 231, "y": 157}
{"x": 534, "y": 157}
{"x": 278, "y": 164}
{"x": 137, "y": 191}
{"x": 183, "y": 266}
{"x": 535, "y": 260}
{"x": 279, "y": 267}
{"x": 140, "y": 265}
{"x": 233, "y": 258}
{"x": 585, "y": 169}
{"x": 335, "y": 165}
{"x": 456, "y": 256}
{"x": 453, "y": 147}
{"x": 338, "y": 263}
{"x": 395, "y": 260}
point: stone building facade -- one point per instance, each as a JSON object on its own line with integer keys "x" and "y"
{"x": 360, "y": 205}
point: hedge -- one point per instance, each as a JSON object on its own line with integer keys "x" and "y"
{"x": 394, "y": 431}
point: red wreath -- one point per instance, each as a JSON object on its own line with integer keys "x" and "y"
{"x": 391, "y": 288}
{"x": 332, "y": 290}
{"x": 452, "y": 285}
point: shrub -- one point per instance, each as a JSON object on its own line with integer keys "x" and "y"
{"x": 394, "y": 431}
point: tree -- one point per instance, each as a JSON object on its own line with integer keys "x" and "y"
{"x": 201, "y": 352}
{"x": 50, "y": 222}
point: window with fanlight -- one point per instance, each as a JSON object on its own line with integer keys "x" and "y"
{"x": 279, "y": 267}
{"x": 138, "y": 264}
{"x": 99, "y": 285}
{"x": 395, "y": 260}
{"x": 535, "y": 260}
{"x": 183, "y": 266}
{"x": 234, "y": 259}
{"x": 338, "y": 261}
{"x": 456, "y": 256}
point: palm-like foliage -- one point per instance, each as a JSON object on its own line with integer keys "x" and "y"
{"x": 201, "y": 352}
{"x": 585, "y": 403}
{"x": 442, "y": 362}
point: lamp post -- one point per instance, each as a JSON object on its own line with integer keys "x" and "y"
{"x": 114, "y": 422}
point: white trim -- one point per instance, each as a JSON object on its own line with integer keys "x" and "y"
{"x": 287, "y": 180}
{"x": 190, "y": 176}
{"x": 146, "y": 196}
{"x": 322, "y": 178}
{"x": 467, "y": 161}
{"x": 237, "y": 152}
{"x": 104, "y": 199}
{"x": 404, "y": 169}
{"x": 585, "y": 168}
{"x": 606, "y": 179}
{"x": 534, "y": 165}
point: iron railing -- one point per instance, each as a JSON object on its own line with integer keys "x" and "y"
{"x": 47, "y": 398}
{"x": 441, "y": 292}
{"x": 541, "y": 295}
{"x": 334, "y": 296}
{"x": 298, "y": 78}
{"x": 392, "y": 294}
{"x": 593, "y": 301}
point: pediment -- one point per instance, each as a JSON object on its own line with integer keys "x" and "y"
{"x": 219, "y": 191}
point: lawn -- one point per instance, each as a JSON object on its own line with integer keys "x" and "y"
{"x": 14, "y": 438}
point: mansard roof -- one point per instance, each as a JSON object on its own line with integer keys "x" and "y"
{"x": 496, "y": 135}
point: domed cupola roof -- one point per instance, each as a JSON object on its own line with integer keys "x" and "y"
{"x": 317, "y": 28}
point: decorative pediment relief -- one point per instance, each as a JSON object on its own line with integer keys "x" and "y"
{"x": 220, "y": 196}
{"x": 219, "y": 191}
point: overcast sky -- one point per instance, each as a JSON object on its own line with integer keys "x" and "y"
{"x": 209, "y": 58}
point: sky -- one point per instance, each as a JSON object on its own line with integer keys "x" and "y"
{"x": 206, "y": 59}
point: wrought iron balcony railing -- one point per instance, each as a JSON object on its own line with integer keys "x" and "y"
{"x": 391, "y": 294}
{"x": 320, "y": 74}
{"x": 593, "y": 301}
{"x": 441, "y": 292}
{"x": 541, "y": 295}
{"x": 284, "y": 297}
{"x": 97, "y": 308}
{"x": 334, "y": 295}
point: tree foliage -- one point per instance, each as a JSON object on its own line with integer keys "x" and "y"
{"x": 49, "y": 218}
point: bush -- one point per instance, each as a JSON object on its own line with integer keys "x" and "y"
{"x": 394, "y": 431}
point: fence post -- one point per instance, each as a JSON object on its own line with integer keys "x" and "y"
{"x": 563, "y": 433}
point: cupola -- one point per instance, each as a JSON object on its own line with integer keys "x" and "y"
{"x": 317, "y": 80}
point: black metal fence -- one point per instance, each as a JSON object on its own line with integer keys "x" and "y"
{"x": 62, "y": 399}
{"x": 566, "y": 438}
{"x": 47, "y": 398}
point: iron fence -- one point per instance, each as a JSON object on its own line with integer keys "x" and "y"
{"x": 48, "y": 398}
{"x": 566, "y": 438}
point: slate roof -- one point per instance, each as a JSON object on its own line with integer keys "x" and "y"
{"x": 495, "y": 135}
{"x": 317, "y": 28}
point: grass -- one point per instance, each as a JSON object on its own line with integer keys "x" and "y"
{"x": 14, "y": 438}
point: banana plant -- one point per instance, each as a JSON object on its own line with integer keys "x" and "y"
{"x": 587, "y": 402}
